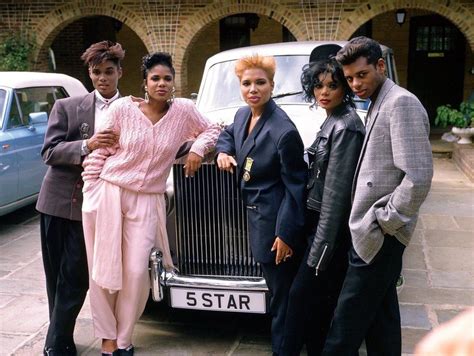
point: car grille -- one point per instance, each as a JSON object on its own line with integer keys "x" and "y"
{"x": 211, "y": 225}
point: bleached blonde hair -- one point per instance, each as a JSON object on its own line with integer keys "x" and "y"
{"x": 266, "y": 63}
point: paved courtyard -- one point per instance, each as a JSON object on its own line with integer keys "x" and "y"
{"x": 438, "y": 270}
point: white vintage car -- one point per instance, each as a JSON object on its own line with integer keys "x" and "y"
{"x": 207, "y": 223}
{"x": 26, "y": 99}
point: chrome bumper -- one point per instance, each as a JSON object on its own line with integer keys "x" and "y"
{"x": 161, "y": 279}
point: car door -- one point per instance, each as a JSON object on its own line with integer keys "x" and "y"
{"x": 35, "y": 105}
{"x": 8, "y": 156}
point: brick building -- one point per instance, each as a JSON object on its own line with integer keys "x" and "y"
{"x": 433, "y": 47}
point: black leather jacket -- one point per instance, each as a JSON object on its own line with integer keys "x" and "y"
{"x": 333, "y": 159}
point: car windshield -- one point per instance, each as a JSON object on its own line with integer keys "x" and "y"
{"x": 222, "y": 90}
{"x": 3, "y": 96}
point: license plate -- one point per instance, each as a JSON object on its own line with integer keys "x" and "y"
{"x": 220, "y": 300}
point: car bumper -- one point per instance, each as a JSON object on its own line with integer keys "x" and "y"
{"x": 161, "y": 280}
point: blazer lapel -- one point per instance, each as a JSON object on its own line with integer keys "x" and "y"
{"x": 85, "y": 115}
{"x": 374, "y": 112}
{"x": 249, "y": 142}
{"x": 240, "y": 123}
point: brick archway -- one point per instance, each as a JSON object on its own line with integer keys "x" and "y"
{"x": 190, "y": 30}
{"x": 47, "y": 29}
{"x": 455, "y": 12}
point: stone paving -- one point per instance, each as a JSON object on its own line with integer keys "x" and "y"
{"x": 438, "y": 271}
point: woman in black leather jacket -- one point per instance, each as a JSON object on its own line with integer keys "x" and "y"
{"x": 333, "y": 159}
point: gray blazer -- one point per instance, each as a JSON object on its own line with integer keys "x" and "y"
{"x": 393, "y": 176}
{"x": 71, "y": 121}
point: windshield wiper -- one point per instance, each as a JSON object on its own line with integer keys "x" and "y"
{"x": 282, "y": 95}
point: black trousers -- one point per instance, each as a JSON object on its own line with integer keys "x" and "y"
{"x": 67, "y": 280}
{"x": 279, "y": 279}
{"x": 313, "y": 298}
{"x": 368, "y": 305}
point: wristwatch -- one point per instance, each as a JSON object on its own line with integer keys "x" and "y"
{"x": 84, "y": 149}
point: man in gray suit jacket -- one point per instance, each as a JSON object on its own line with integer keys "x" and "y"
{"x": 392, "y": 179}
{"x": 69, "y": 138}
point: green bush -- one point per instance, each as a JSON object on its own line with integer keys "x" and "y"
{"x": 15, "y": 53}
{"x": 462, "y": 117}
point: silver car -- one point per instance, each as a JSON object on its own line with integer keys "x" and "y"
{"x": 207, "y": 223}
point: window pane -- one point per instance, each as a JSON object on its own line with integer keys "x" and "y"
{"x": 39, "y": 99}
{"x": 222, "y": 89}
{"x": 448, "y": 38}
{"x": 422, "y": 36}
{"x": 3, "y": 96}
{"x": 437, "y": 34}
{"x": 14, "y": 119}
{"x": 59, "y": 93}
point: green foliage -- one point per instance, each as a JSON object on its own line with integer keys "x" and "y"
{"x": 15, "y": 51}
{"x": 462, "y": 117}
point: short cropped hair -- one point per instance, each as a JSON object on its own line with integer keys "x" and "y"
{"x": 103, "y": 51}
{"x": 360, "y": 47}
{"x": 266, "y": 63}
{"x": 153, "y": 59}
{"x": 310, "y": 78}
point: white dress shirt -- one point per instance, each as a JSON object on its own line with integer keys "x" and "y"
{"x": 101, "y": 106}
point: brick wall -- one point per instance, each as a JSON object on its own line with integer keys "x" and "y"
{"x": 156, "y": 24}
{"x": 206, "y": 45}
{"x": 68, "y": 48}
{"x": 132, "y": 80}
{"x": 268, "y": 31}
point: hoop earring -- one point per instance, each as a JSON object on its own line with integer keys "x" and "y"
{"x": 147, "y": 98}
{"x": 171, "y": 99}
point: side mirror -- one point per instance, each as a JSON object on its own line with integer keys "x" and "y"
{"x": 38, "y": 118}
{"x": 194, "y": 96}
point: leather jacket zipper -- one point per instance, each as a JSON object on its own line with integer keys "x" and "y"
{"x": 321, "y": 259}
{"x": 317, "y": 173}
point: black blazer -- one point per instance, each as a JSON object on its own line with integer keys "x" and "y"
{"x": 273, "y": 187}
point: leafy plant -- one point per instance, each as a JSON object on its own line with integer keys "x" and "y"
{"x": 462, "y": 117}
{"x": 15, "y": 52}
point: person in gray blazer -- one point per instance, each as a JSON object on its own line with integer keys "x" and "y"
{"x": 392, "y": 179}
{"x": 72, "y": 134}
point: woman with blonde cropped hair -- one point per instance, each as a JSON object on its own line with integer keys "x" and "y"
{"x": 267, "y": 151}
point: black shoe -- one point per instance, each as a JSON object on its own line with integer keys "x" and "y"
{"x": 67, "y": 351}
{"x": 115, "y": 353}
{"x": 49, "y": 351}
{"x": 127, "y": 352}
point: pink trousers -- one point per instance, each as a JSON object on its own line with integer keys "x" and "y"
{"x": 120, "y": 229}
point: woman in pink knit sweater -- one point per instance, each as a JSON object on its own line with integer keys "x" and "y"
{"x": 124, "y": 213}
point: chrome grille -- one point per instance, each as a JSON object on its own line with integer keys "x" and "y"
{"x": 211, "y": 225}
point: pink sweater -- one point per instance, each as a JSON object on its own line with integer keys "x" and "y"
{"x": 145, "y": 153}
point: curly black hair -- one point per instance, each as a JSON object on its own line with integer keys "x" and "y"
{"x": 310, "y": 78}
{"x": 153, "y": 59}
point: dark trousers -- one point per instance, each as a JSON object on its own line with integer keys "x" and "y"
{"x": 279, "y": 279}
{"x": 368, "y": 305}
{"x": 313, "y": 298}
{"x": 67, "y": 280}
